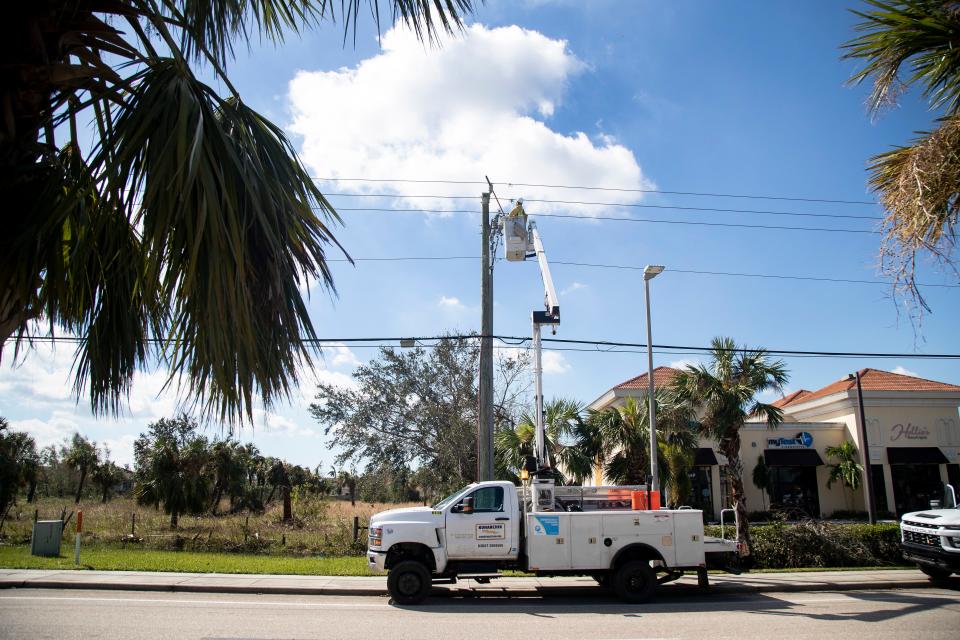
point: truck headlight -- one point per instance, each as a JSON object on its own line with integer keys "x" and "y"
{"x": 376, "y": 536}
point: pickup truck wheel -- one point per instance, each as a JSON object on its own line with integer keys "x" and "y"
{"x": 409, "y": 582}
{"x": 935, "y": 573}
{"x": 635, "y": 582}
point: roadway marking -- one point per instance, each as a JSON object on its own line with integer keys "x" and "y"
{"x": 245, "y": 603}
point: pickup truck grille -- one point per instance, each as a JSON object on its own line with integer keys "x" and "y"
{"x": 921, "y": 525}
{"x": 925, "y": 539}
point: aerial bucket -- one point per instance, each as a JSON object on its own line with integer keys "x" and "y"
{"x": 515, "y": 236}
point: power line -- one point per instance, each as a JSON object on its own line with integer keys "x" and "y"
{"x": 600, "y": 346}
{"x": 617, "y": 204}
{"x": 623, "y": 219}
{"x": 637, "y": 268}
{"x": 610, "y": 189}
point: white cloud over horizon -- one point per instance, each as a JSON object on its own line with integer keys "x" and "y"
{"x": 903, "y": 371}
{"x": 479, "y": 104}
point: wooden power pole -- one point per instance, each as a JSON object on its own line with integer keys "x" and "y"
{"x": 485, "y": 430}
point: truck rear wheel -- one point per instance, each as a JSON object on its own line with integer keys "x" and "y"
{"x": 409, "y": 582}
{"x": 635, "y": 581}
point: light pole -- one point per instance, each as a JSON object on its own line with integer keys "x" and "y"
{"x": 649, "y": 273}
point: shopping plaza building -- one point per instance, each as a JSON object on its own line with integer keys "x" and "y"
{"x": 913, "y": 437}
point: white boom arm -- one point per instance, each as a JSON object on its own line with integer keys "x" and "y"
{"x": 550, "y": 299}
{"x": 519, "y": 240}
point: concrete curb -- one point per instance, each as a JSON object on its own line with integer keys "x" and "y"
{"x": 461, "y": 590}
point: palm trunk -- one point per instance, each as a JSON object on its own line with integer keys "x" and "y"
{"x": 83, "y": 477}
{"x": 287, "y": 505}
{"x": 31, "y": 491}
{"x": 106, "y": 491}
{"x": 731, "y": 449}
{"x": 174, "y": 519}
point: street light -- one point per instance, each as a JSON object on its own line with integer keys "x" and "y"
{"x": 650, "y": 272}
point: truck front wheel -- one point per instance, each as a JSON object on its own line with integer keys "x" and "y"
{"x": 935, "y": 573}
{"x": 409, "y": 582}
{"x": 635, "y": 581}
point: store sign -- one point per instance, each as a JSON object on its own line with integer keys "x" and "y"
{"x": 803, "y": 440}
{"x": 908, "y": 432}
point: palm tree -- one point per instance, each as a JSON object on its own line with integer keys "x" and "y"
{"x": 724, "y": 395}
{"x": 173, "y": 468}
{"x": 105, "y": 475}
{"x": 189, "y": 227}
{"x": 847, "y": 470}
{"x": 918, "y": 184}
{"x": 567, "y": 442}
{"x": 623, "y": 442}
{"x": 81, "y": 455}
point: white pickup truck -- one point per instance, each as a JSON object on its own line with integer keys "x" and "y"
{"x": 931, "y": 538}
{"x": 487, "y": 527}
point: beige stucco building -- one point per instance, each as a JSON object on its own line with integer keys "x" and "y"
{"x": 913, "y": 437}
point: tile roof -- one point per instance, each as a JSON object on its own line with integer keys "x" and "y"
{"x": 877, "y": 380}
{"x": 662, "y": 376}
{"x": 791, "y": 398}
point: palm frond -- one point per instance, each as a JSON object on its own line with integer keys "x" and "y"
{"x": 921, "y": 34}
{"x": 231, "y": 227}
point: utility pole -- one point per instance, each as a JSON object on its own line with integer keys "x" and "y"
{"x": 865, "y": 451}
{"x": 485, "y": 428}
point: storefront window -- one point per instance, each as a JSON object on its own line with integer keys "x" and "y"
{"x": 915, "y": 485}
{"x": 794, "y": 490}
{"x": 701, "y": 492}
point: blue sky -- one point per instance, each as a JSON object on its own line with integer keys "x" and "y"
{"x": 725, "y": 98}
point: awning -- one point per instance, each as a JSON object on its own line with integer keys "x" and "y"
{"x": 704, "y": 457}
{"x": 916, "y": 455}
{"x": 792, "y": 458}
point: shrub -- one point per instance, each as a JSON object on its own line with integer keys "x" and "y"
{"x": 813, "y": 543}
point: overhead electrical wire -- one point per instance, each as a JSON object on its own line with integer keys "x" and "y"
{"x": 609, "y": 189}
{"x": 599, "y": 346}
{"x": 639, "y": 268}
{"x": 615, "y": 204}
{"x": 697, "y": 223}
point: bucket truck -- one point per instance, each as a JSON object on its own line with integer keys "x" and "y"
{"x": 616, "y": 534}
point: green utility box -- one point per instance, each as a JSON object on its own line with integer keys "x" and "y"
{"x": 46, "y": 538}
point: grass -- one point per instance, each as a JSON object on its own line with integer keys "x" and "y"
{"x": 321, "y": 526}
{"x": 114, "y": 559}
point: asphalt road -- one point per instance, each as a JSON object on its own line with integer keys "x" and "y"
{"x": 41, "y": 613}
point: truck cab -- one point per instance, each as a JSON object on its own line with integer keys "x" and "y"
{"x": 490, "y": 526}
{"x": 931, "y": 538}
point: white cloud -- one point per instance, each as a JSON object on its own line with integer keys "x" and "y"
{"x": 53, "y": 430}
{"x": 684, "y": 363}
{"x": 340, "y": 355}
{"x": 904, "y": 372}
{"x": 451, "y": 303}
{"x": 477, "y": 105}
{"x": 555, "y": 362}
{"x": 576, "y": 286}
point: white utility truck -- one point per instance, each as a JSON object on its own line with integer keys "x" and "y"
{"x": 931, "y": 538}
{"x": 541, "y": 528}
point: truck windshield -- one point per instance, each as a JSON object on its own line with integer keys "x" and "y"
{"x": 449, "y": 498}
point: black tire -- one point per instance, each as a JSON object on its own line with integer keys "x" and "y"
{"x": 635, "y": 582}
{"x": 935, "y": 573}
{"x": 409, "y": 582}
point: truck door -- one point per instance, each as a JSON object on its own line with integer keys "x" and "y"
{"x": 485, "y": 533}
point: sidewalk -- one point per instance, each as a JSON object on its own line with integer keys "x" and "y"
{"x": 512, "y": 587}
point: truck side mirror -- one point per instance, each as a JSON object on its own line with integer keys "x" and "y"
{"x": 467, "y": 505}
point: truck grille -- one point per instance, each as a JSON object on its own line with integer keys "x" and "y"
{"x": 921, "y": 525}
{"x": 925, "y": 539}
